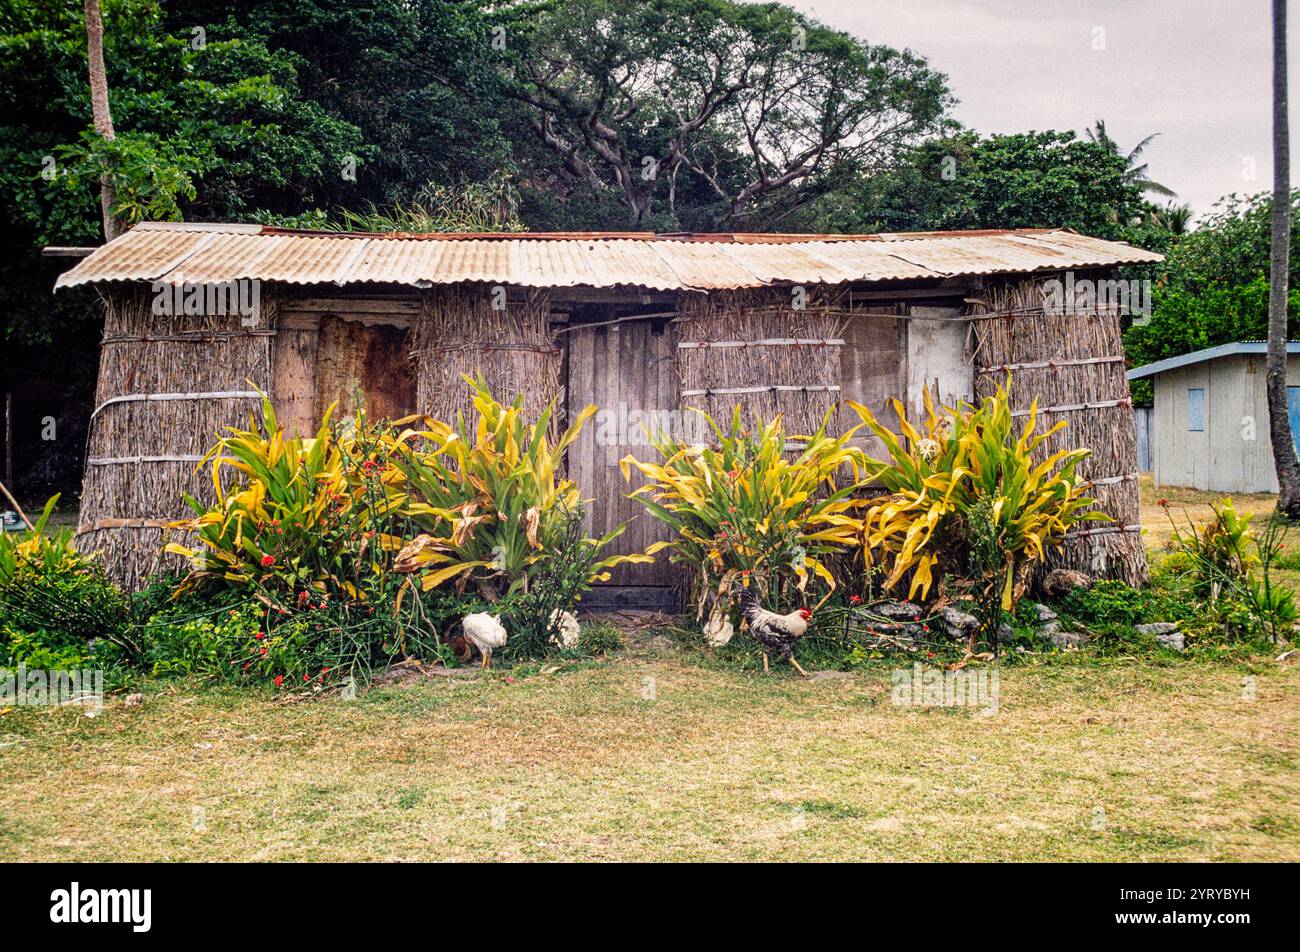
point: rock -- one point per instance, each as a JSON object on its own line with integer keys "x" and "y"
{"x": 133, "y": 700}
{"x": 1065, "y": 639}
{"x": 1006, "y": 634}
{"x": 1173, "y": 639}
{"x": 899, "y": 611}
{"x": 1045, "y": 614}
{"x": 1060, "y": 582}
{"x": 1156, "y": 629}
{"x": 959, "y": 623}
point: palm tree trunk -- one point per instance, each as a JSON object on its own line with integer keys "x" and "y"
{"x": 99, "y": 109}
{"x": 1279, "y": 424}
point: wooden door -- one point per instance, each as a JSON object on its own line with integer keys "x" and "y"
{"x": 627, "y": 370}
{"x": 322, "y": 360}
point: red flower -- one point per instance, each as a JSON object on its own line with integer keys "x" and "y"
{"x": 263, "y": 651}
{"x": 855, "y": 600}
{"x": 268, "y": 561}
{"x": 509, "y": 680}
{"x": 306, "y": 678}
{"x": 279, "y": 680}
{"x": 260, "y": 635}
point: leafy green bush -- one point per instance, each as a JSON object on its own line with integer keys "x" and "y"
{"x": 56, "y": 603}
{"x": 490, "y": 499}
{"x": 746, "y": 511}
{"x": 971, "y": 500}
{"x": 1230, "y": 565}
{"x": 300, "y": 516}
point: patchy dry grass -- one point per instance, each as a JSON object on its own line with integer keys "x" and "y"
{"x": 1080, "y": 763}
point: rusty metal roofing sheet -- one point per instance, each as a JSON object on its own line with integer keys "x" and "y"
{"x": 207, "y": 253}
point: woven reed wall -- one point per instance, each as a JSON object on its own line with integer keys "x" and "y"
{"x": 128, "y": 492}
{"x": 789, "y": 361}
{"x": 1073, "y": 364}
{"x": 458, "y": 332}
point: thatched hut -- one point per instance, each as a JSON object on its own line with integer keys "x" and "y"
{"x": 199, "y": 317}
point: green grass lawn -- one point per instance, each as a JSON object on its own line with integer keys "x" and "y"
{"x": 650, "y": 756}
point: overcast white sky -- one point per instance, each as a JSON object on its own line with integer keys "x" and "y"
{"x": 1196, "y": 71}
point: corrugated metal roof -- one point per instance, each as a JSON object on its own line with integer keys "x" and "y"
{"x": 209, "y": 253}
{"x": 1209, "y": 353}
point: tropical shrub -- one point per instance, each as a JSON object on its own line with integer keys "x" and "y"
{"x": 969, "y": 499}
{"x": 55, "y": 603}
{"x": 301, "y": 518}
{"x": 1219, "y": 554}
{"x": 744, "y": 511}
{"x": 1229, "y": 564}
{"x": 489, "y": 500}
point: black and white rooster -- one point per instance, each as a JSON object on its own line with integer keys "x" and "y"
{"x": 774, "y": 632}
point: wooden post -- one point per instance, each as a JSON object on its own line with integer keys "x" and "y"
{"x": 9, "y": 438}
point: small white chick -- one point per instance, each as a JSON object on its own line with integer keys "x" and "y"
{"x": 485, "y": 632}
{"x": 569, "y": 630}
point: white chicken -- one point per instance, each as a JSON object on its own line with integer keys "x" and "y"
{"x": 569, "y": 631}
{"x": 718, "y": 630}
{"x": 485, "y": 632}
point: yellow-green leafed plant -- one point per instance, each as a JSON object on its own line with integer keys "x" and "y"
{"x": 742, "y": 508}
{"x": 46, "y": 553}
{"x": 968, "y": 495}
{"x": 490, "y": 498}
{"x": 296, "y": 516}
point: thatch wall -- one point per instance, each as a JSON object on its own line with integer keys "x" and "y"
{"x": 1072, "y": 363}
{"x": 755, "y": 350}
{"x": 459, "y": 332}
{"x": 142, "y": 453}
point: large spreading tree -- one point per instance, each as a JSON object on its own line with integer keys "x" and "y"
{"x": 744, "y": 103}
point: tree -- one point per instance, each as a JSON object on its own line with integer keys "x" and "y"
{"x": 103, "y": 118}
{"x": 1028, "y": 180}
{"x": 1135, "y": 174}
{"x": 1176, "y": 218}
{"x": 1279, "y": 423}
{"x": 747, "y": 101}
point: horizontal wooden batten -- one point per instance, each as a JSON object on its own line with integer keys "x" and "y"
{"x": 1070, "y": 407}
{"x": 129, "y": 460}
{"x": 1112, "y": 480}
{"x": 124, "y": 524}
{"x": 194, "y": 337}
{"x": 350, "y": 305}
{"x": 766, "y": 342}
{"x": 777, "y": 388}
{"x": 1104, "y": 530}
{"x": 168, "y": 397}
{"x": 1052, "y": 364}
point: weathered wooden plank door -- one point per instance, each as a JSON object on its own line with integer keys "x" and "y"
{"x": 321, "y": 360}
{"x": 628, "y": 371}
